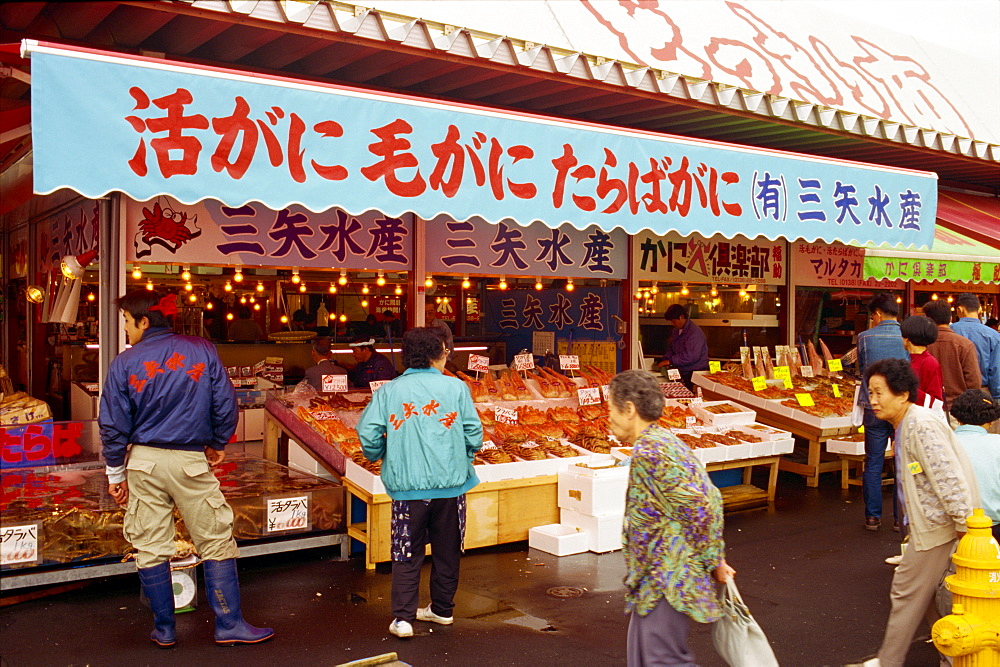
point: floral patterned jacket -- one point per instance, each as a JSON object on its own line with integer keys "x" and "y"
{"x": 673, "y": 529}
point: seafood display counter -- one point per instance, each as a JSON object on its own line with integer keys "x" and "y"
{"x": 68, "y": 528}
{"x": 828, "y": 416}
{"x": 527, "y": 441}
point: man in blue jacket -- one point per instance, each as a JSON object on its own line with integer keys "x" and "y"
{"x": 167, "y": 411}
{"x": 425, "y": 429}
{"x": 687, "y": 348}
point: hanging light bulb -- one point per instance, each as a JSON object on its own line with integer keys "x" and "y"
{"x": 503, "y": 283}
{"x": 949, "y": 299}
{"x": 655, "y": 289}
{"x": 645, "y": 294}
{"x": 934, "y": 297}
{"x": 136, "y": 272}
{"x": 238, "y": 276}
{"x": 649, "y": 301}
{"x": 332, "y": 317}
{"x": 398, "y": 290}
{"x": 637, "y": 295}
{"x": 743, "y": 292}
{"x": 466, "y": 283}
{"x": 256, "y": 306}
{"x": 569, "y": 285}
{"x": 186, "y": 274}
{"x": 437, "y": 300}
{"x": 342, "y": 280}
{"x": 364, "y": 288}
{"x": 380, "y": 280}
{"x": 343, "y": 317}
{"x": 243, "y": 299}
{"x": 188, "y": 287}
{"x": 91, "y": 296}
{"x": 899, "y": 299}
{"x": 429, "y": 282}
{"x": 209, "y": 306}
{"x": 192, "y": 298}
{"x": 364, "y": 303}
{"x": 302, "y": 287}
{"x": 295, "y": 276}
{"x": 715, "y": 291}
{"x": 149, "y": 284}
{"x": 252, "y": 299}
{"x": 229, "y": 316}
{"x": 284, "y": 319}
{"x": 333, "y": 288}
{"x": 538, "y": 283}
{"x": 260, "y": 286}
{"x": 684, "y": 290}
{"x": 228, "y": 286}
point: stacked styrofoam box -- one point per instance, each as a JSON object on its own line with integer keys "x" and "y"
{"x": 557, "y": 539}
{"x": 740, "y": 417}
{"x": 592, "y": 499}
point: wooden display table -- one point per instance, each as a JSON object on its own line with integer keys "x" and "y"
{"x": 817, "y": 461}
{"x": 496, "y": 513}
{"x": 847, "y": 461}
{"x": 745, "y": 496}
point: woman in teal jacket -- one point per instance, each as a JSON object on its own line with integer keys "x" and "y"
{"x": 425, "y": 429}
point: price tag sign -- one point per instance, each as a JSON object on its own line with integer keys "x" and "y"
{"x": 835, "y": 365}
{"x": 836, "y": 390}
{"x": 714, "y": 366}
{"x": 505, "y": 415}
{"x": 375, "y": 384}
{"x": 690, "y": 420}
{"x": 524, "y": 362}
{"x": 589, "y": 395}
{"x": 805, "y": 400}
{"x": 782, "y": 372}
{"x": 605, "y": 392}
{"x": 335, "y": 383}
{"x": 807, "y": 371}
{"x": 287, "y": 514}
{"x": 479, "y": 363}
{"x": 569, "y": 362}
{"x": 489, "y": 444}
{"x": 759, "y": 383}
{"x": 673, "y": 374}
{"x": 787, "y": 382}
{"x": 19, "y": 544}
{"x": 323, "y": 415}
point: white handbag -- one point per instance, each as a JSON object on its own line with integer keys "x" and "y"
{"x": 736, "y": 636}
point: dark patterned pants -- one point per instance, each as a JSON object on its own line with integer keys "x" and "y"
{"x": 415, "y": 523}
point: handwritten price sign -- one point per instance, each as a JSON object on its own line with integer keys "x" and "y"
{"x": 589, "y": 395}
{"x": 375, "y": 384}
{"x": 805, "y": 400}
{"x": 759, "y": 383}
{"x": 835, "y": 365}
{"x": 19, "y": 544}
{"x": 505, "y": 415}
{"x": 782, "y": 372}
{"x": 714, "y": 366}
{"x": 287, "y": 514}
{"x": 479, "y": 363}
{"x": 335, "y": 383}
{"x": 807, "y": 371}
{"x": 569, "y": 362}
{"x": 605, "y": 392}
{"x": 524, "y": 362}
{"x": 673, "y": 374}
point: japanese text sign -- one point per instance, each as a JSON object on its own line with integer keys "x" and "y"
{"x": 714, "y": 366}
{"x": 832, "y": 265}
{"x": 505, "y": 415}
{"x": 375, "y": 384}
{"x": 287, "y": 514}
{"x": 524, "y": 362}
{"x": 673, "y": 374}
{"x": 835, "y": 365}
{"x": 759, "y": 383}
{"x": 674, "y": 257}
{"x": 19, "y": 544}
{"x": 335, "y": 383}
{"x": 931, "y": 270}
{"x": 479, "y": 363}
{"x": 164, "y": 229}
{"x": 569, "y": 362}
{"x": 155, "y": 127}
{"x": 48, "y": 443}
{"x": 805, "y": 400}
{"x": 589, "y": 395}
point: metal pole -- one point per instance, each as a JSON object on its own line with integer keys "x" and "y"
{"x": 112, "y": 251}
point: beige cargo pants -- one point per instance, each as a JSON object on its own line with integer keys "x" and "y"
{"x": 159, "y": 480}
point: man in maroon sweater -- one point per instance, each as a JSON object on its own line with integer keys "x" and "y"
{"x": 956, "y": 354}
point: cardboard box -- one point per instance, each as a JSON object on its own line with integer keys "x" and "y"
{"x": 557, "y": 539}
{"x": 742, "y": 416}
{"x": 604, "y": 533}
{"x": 594, "y": 491}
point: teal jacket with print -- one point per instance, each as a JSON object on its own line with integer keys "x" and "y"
{"x": 425, "y": 429}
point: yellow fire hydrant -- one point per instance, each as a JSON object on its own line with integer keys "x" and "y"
{"x": 971, "y": 633}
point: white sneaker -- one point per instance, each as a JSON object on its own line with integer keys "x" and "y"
{"x": 401, "y": 629}
{"x": 872, "y": 662}
{"x": 425, "y": 614}
{"x": 894, "y": 560}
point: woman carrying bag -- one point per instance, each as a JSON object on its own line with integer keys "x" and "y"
{"x": 673, "y": 530}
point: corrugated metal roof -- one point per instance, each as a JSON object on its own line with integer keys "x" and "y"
{"x": 341, "y": 42}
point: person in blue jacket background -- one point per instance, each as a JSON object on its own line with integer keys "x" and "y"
{"x": 167, "y": 411}
{"x": 425, "y": 429}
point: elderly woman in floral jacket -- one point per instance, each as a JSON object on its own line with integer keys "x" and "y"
{"x": 938, "y": 488}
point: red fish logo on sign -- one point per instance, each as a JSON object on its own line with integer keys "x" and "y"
{"x": 164, "y": 227}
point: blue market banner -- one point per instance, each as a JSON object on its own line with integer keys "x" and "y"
{"x": 149, "y": 127}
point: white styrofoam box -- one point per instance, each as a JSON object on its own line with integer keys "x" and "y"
{"x": 593, "y": 491}
{"x": 784, "y": 446}
{"x": 604, "y": 532}
{"x": 498, "y": 472}
{"x": 763, "y": 448}
{"x": 710, "y": 454}
{"x": 369, "y": 482}
{"x": 300, "y": 459}
{"x": 845, "y": 446}
{"x": 557, "y": 539}
{"x": 765, "y": 432}
{"x": 743, "y": 415}
{"x": 736, "y": 452}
